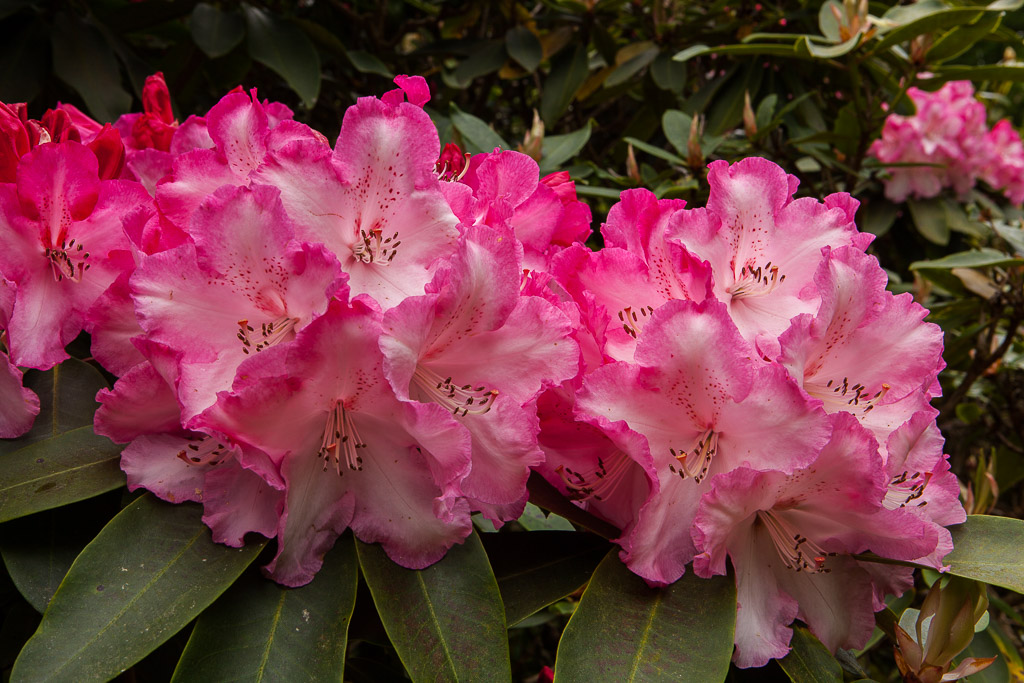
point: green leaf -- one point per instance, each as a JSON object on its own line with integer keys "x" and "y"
{"x": 975, "y": 258}
{"x": 962, "y": 38}
{"x": 993, "y": 72}
{"x": 630, "y": 67}
{"x": 990, "y": 549}
{"x": 930, "y": 219}
{"x": 150, "y": 571}
{"x": 558, "y": 149}
{"x": 1013, "y": 234}
{"x": 367, "y": 63}
{"x": 740, "y": 49}
{"x": 809, "y": 661}
{"x": 726, "y": 112}
{"x": 847, "y": 130}
{"x": 524, "y": 47}
{"x": 539, "y": 568}
{"x": 260, "y": 631}
{"x": 655, "y": 151}
{"x": 484, "y": 58}
{"x": 84, "y": 61}
{"x": 624, "y": 630}
{"x": 827, "y": 22}
{"x": 284, "y": 47}
{"x": 534, "y": 519}
{"x": 215, "y": 32}
{"x": 568, "y": 71}
{"x": 667, "y": 73}
{"x": 478, "y": 136}
{"x": 923, "y": 17}
{"x": 676, "y": 126}
{"x": 446, "y": 621}
{"x": 877, "y": 215}
{"x": 809, "y": 47}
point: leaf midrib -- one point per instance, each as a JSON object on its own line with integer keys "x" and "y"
{"x": 644, "y": 638}
{"x": 437, "y": 625}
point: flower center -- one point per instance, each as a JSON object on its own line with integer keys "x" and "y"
{"x": 341, "y": 440}
{"x": 70, "y": 261}
{"x": 373, "y": 247}
{"x": 696, "y": 462}
{"x": 599, "y": 483}
{"x": 460, "y": 399}
{"x": 203, "y": 450}
{"x": 796, "y": 550}
{"x": 631, "y": 322}
{"x": 838, "y": 395}
{"x": 905, "y": 488}
{"x": 755, "y": 280}
{"x": 269, "y": 334}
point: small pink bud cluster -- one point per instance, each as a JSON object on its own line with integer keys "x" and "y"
{"x": 947, "y": 143}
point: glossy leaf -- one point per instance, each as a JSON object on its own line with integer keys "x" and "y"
{"x": 261, "y": 631}
{"x": 990, "y": 549}
{"x": 150, "y": 571}
{"x": 975, "y": 258}
{"x": 624, "y": 630}
{"x": 445, "y": 621}
{"x": 1013, "y": 234}
{"x": 478, "y": 136}
{"x": 667, "y": 73}
{"x": 568, "y": 71}
{"x": 809, "y": 661}
{"x": 367, "y": 63}
{"x": 994, "y": 72}
{"x": 283, "y": 47}
{"x": 809, "y": 47}
{"x": 655, "y": 151}
{"x": 483, "y": 59}
{"x": 930, "y": 220}
{"x": 535, "y": 519}
{"x": 215, "y": 32}
{"x": 84, "y": 60}
{"x": 629, "y": 68}
{"x": 962, "y": 38}
{"x": 539, "y": 568}
{"x": 676, "y": 126}
{"x": 828, "y": 24}
{"x": 559, "y": 149}
{"x": 524, "y": 47}
{"x": 924, "y": 17}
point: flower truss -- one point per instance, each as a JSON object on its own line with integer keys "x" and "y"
{"x": 387, "y": 337}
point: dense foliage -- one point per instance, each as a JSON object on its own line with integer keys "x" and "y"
{"x": 621, "y": 95}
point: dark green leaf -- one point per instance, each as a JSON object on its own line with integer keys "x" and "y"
{"x": 150, "y": 571}
{"x": 568, "y": 71}
{"x": 654, "y": 151}
{"x": 24, "y": 63}
{"x": 524, "y": 47}
{"x": 989, "y": 549}
{"x": 923, "y": 17}
{"x": 260, "y": 631}
{"x": 930, "y": 220}
{"x": 975, "y": 258}
{"x": 962, "y": 38}
{"x": 368, "y": 64}
{"x": 215, "y": 32}
{"x": 984, "y": 645}
{"x": 877, "y": 215}
{"x": 847, "y": 130}
{"x": 726, "y": 112}
{"x": 284, "y": 47}
{"x": 446, "y": 621}
{"x": 482, "y": 60}
{"x": 676, "y": 126}
{"x": 83, "y": 60}
{"x": 667, "y": 73}
{"x": 739, "y": 49}
{"x": 559, "y": 149}
{"x": 809, "y": 661}
{"x": 541, "y": 567}
{"x": 478, "y": 136}
{"x": 994, "y": 72}
{"x": 630, "y": 67}
{"x": 1013, "y": 234}
{"x": 624, "y": 630}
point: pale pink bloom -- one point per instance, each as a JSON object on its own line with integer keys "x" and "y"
{"x": 242, "y": 285}
{"x": 63, "y": 246}
{"x": 351, "y": 453}
{"x": 480, "y": 350}
{"x": 1004, "y": 167}
{"x": 697, "y": 402}
{"x": 789, "y": 538}
{"x": 764, "y": 246}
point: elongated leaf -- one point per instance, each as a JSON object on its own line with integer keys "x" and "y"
{"x": 655, "y": 151}
{"x": 631, "y": 66}
{"x": 483, "y": 59}
{"x": 667, "y": 73}
{"x": 260, "y": 631}
{"x": 809, "y": 47}
{"x": 446, "y": 621}
{"x": 478, "y": 136}
{"x": 535, "y": 519}
{"x": 962, "y": 38}
{"x": 283, "y": 47}
{"x": 1013, "y": 234}
{"x": 990, "y": 549}
{"x": 931, "y": 17}
{"x": 623, "y": 630}
{"x": 368, "y": 63}
{"x": 994, "y": 72}
{"x": 215, "y": 32}
{"x": 780, "y": 50}
{"x": 524, "y": 47}
{"x": 568, "y": 71}
{"x": 930, "y": 220}
{"x": 676, "y": 126}
{"x": 150, "y": 571}
{"x": 809, "y": 661}
{"x": 976, "y": 258}
{"x": 561, "y": 148}
{"x": 83, "y": 60}
{"x": 538, "y": 568}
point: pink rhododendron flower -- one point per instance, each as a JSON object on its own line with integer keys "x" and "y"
{"x": 790, "y": 538}
{"x": 18, "y": 405}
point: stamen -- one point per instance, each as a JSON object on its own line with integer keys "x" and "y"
{"x": 755, "y": 280}
{"x": 696, "y": 462}
{"x": 906, "y": 489}
{"x": 633, "y": 323}
{"x": 373, "y": 247}
{"x": 203, "y": 450}
{"x": 796, "y": 550}
{"x": 269, "y": 334}
{"x": 842, "y": 396}
{"x": 341, "y": 438}
{"x": 461, "y": 400}
{"x": 599, "y": 483}
{"x": 68, "y": 262}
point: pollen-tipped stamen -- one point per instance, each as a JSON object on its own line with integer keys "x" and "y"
{"x": 203, "y": 450}
{"x": 341, "y": 438}
{"x": 797, "y": 551}
{"x": 906, "y": 489}
{"x": 460, "y": 399}
{"x": 697, "y": 462}
{"x": 274, "y": 332}
{"x": 373, "y": 247}
{"x": 69, "y": 262}
{"x": 756, "y": 280}
{"x": 599, "y": 483}
{"x": 631, "y": 322}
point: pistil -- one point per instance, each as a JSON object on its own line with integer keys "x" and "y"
{"x": 696, "y": 462}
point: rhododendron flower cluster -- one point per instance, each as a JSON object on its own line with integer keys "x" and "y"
{"x": 947, "y": 143}
{"x": 386, "y": 337}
